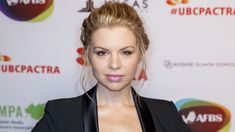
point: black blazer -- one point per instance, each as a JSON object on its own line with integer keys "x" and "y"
{"x": 79, "y": 114}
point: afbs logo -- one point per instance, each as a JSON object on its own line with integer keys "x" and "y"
{"x": 204, "y": 116}
{"x": 27, "y": 10}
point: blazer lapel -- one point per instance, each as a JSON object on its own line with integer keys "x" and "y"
{"x": 90, "y": 118}
{"x": 144, "y": 114}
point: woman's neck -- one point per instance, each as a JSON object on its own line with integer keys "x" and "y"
{"x": 107, "y": 97}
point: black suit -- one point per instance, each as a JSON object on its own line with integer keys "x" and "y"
{"x": 79, "y": 114}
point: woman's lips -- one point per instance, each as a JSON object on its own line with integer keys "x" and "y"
{"x": 114, "y": 77}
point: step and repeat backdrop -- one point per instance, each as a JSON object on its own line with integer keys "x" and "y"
{"x": 191, "y": 59}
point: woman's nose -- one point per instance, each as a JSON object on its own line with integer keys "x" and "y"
{"x": 114, "y": 62}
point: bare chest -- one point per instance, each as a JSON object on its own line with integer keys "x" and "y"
{"x": 118, "y": 120}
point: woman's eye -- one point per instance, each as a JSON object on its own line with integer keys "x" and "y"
{"x": 101, "y": 53}
{"x": 127, "y": 53}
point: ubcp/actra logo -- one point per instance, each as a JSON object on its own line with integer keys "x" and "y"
{"x": 4, "y": 58}
{"x": 29, "y": 69}
{"x": 175, "y": 2}
{"x": 27, "y": 10}
{"x": 204, "y": 116}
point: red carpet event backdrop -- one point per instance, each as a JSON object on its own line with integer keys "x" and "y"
{"x": 191, "y": 59}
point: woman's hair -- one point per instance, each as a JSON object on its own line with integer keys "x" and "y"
{"x": 109, "y": 15}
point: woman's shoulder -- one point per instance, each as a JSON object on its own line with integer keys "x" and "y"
{"x": 64, "y": 104}
{"x": 68, "y": 100}
{"x": 59, "y": 113}
{"x": 157, "y": 102}
{"x": 160, "y": 106}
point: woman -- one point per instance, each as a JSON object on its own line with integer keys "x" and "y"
{"x": 115, "y": 43}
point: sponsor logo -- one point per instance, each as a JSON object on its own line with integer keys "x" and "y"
{"x": 140, "y": 5}
{"x": 198, "y": 10}
{"x": 140, "y": 75}
{"x": 28, "y": 69}
{"x": 11, "y": 111}
{"x": 175, "y": 2}
{"x": 80, "y": 60}
{"x": 170, "y": 64}
{"x": 204, "y": 116}
{"x": 89, "y": 6}
{"x": 35, "y": 111}
{"x": 27, "y": 10}
{"x": 5, "y": 58}
{"x": 15, "y": 117}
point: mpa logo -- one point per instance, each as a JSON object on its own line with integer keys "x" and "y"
{"x": 204, "y": 116}
{"x": 17, "y": 118}
{"x": 27, "y": 10}
{"x": 175, "y": 2}
{"x": 5, "y": 58}
{"x": 34, "y": 111}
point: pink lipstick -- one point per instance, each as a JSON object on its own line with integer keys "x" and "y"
{"x": 114, "y": 77}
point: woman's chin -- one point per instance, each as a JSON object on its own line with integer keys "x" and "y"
{"x": 116, "y": 87}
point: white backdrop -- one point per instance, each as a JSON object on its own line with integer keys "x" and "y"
{"x": 191, "y": 55}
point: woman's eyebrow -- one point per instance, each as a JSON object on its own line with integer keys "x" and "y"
{"x": 98, "y": 47}
{"x": 127, "y": 47}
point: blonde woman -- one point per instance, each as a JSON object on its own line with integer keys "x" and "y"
{"x": 115, "y": 43}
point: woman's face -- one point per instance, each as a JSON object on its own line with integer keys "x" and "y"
{"x": 114, "y": 56}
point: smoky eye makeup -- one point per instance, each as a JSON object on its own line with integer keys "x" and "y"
{"x": 128, "y": 51}
{"x": 100, "y": 51}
